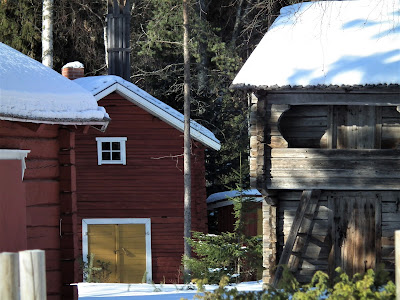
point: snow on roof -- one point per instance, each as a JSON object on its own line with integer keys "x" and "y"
{"x": 74, "y": 65}
{"x": 32, "y": 92}
{"x": 231, "y": 194}
{"x": 101, "y": 86}
{"x": 328, "y": 43}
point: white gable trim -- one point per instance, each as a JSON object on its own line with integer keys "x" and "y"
{"x": 112, "y": 221}
{"x": 158, "y": 112}
{"x": 15, "y": 154}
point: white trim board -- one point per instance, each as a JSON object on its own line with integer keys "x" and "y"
{"x": 15, "y": 154}
{"x": 158, "y": 112}
{"x": 146, "y": 102}
{"x": 115, "y": 221}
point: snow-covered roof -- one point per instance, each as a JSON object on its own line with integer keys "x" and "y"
{"x": 328, "y": 43}
{"x": 231, "y": 194}
{"x": 101, "y": 86}
{"x": 32, "y": 92}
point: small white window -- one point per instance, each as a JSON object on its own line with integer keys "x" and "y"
{"x": 111, "y": 150}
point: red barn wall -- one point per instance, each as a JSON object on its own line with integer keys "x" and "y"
{"x": 150, "y": 185}
{"x": 226, "y": 219}
{"x": 13, "y": 236}
{"x": 41, "y": 182}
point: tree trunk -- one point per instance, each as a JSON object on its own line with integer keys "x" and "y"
{"x": 202, "y": 77}
{"x": 238, "y": 20}
{"x": 187, "y": 142}
{"x": 47, "y": 33}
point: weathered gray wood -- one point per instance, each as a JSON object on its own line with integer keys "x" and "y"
{"x": 338, "y": 153}
{"x": 118, "y": 39}
{"x": 335, "y": 169}
{"x": 347, "y": 183}
{"x": 397, "y": 262}
{"x": 307, "y": 205}
{"x": 378, "y": 229}
{"x": 391, "y": 216}
{"x": 378, "y": 128}
{"x": 305, "y": 229}
{"x": 9, "y": 276}
{"x": 354, "y": 219}
{"x": 32, "y": 266}
{"x": 335, "y": 98}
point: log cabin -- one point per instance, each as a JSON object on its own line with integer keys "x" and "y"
{"x": 130, "y": 183}
{"x": 325, "y": 133}
{"x": 40, "y": 111}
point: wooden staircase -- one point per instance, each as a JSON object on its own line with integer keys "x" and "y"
{"x": 299, "y": 233}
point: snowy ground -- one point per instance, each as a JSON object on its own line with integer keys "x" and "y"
{"x": 123, "y": 291}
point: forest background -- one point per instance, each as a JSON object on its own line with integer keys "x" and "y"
{"x": 223, "y": 35}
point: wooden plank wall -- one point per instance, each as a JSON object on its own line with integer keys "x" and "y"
{"x": 118, "y": 39}
{"x": 306, "y": 126}
{"x": 305, "y": 168}
{"x": 390, "y": 127}
{"x": 42, "y": 191}
{"x": 316, "y": 254}
{"x": 350, "y": 128}
{"x": 150, "y": 185}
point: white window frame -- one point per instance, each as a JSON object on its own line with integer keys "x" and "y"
{"x": 118, "y": 221}
{"x": 122, "y": 150}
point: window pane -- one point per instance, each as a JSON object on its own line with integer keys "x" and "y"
{"x": 116, "y": 156}
{"x": 116, "y": 145}
{"x": 105, "y": 145}
{"x": 105, "y": 156}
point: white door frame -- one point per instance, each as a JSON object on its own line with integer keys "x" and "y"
{"x": 112, "y": 221}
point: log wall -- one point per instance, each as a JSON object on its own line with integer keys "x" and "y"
{"x": 150, "y": 185}
{"x": 306, "y": 168}
{"x": 41, "y": 182}
{"x": 349, "y": 152}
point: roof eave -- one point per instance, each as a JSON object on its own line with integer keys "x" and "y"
{"x": 158, "y": 112}
{"x": 103, "y": 123}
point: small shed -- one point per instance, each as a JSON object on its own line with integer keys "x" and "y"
{"x": 39, "y": 113}
{"x": 325, "y": 132}
{"x": 220, "y": 209}
{"x": 130, "y": 183}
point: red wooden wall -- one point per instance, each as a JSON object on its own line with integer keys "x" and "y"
{"x": 41, "y": 183}
{"x": 13, "y": 235}
{"x": 225, "y": 219}
{"x": 150, "y": 185}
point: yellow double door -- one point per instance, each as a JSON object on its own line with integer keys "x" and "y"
{"x": 121, "y": 245}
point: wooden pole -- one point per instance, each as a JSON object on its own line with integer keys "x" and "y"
{"x": 32, "y": 275}
{"x": 397, "y": 262}
{"x": 9, "y": 276}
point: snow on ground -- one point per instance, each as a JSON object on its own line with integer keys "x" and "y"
{"x": 124, "y": 291}
{"x": 328, "y": 43}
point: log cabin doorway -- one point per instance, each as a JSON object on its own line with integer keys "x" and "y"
{"x": 355, "y": 219}
{"x": 124, "y": 244}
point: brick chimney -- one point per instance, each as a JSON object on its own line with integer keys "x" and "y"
{"x": 73, "y": 70}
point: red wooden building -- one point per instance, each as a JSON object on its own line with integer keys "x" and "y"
{"x": 221, "y": 212}
{"x": 39, "y": 113}
{"x": 130, "y": 183}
